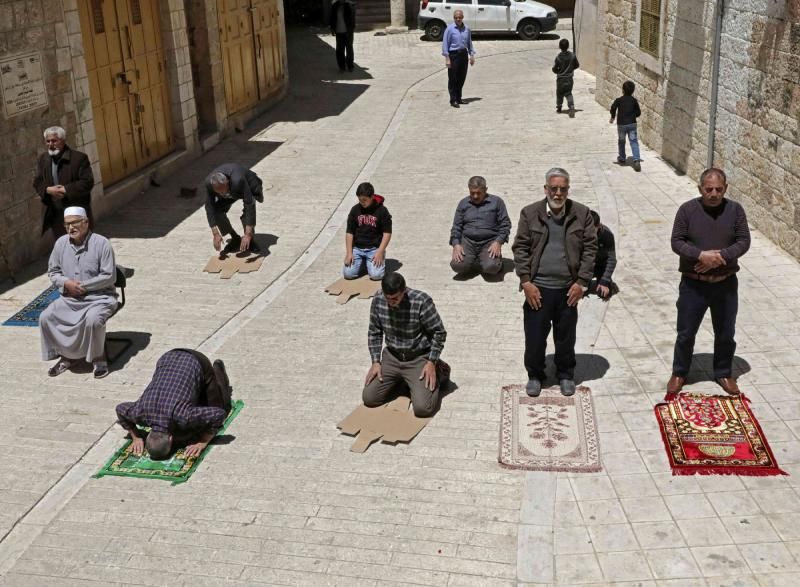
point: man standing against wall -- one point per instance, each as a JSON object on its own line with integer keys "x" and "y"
{"x": 63, "y": 179}
{"x": 710, "y": 233}
{"x": 457, "y": 51}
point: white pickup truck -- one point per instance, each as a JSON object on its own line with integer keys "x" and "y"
{"x": 527, "y": 17}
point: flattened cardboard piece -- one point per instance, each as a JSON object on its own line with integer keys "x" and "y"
{"x": 346, "y": 289}
{"x": 392, "y": 422}
{"x": 228, "y": 265}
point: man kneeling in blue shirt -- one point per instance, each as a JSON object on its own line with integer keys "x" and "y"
{"x": 480, "y": 227}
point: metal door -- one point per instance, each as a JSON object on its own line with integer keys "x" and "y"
{"x": 127, "y": 84}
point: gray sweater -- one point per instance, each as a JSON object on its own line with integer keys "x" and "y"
{"x": 553, "y": 270}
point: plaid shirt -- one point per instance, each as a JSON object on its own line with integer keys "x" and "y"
{"x": 169, "y": 403}
{"x": 412, "y": 327}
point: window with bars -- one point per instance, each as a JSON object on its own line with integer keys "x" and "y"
{"x": 136, "y": 12}
{"x": 97, "y": 17}
{"x": 650, "y": 27}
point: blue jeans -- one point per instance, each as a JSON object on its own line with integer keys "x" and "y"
{"x": 362, "y": 258}
{"x": 629, "y": 131}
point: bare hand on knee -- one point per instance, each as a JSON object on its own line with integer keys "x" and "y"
{"x": 374, "y": 371}
{"x": 495, "y": 249}
{"x": 428, "y": 375}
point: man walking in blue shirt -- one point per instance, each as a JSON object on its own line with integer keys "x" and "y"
{"x": 457, "y": 51}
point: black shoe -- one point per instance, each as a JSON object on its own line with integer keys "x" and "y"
{"x": 460, "y": 101}
{"x": 100, "y": 372}
{"x": 637, "y": 166}
{"x": 233, "y": 244}
{"x": 533, "y": 388}
{"x": 567, "y": 387}
{"x": 349, "y": 68}
{"x": 558, "y": 110}
{"x": 572, "y": 112}
{"x": 454, "y": 104}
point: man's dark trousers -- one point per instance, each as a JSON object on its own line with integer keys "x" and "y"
{"x": 694, "y": 298}
{"x": 564, "y": 319}
{"x": 221, "y": 208}
{"x": 476, "y": 256}
{"x": 344, "y": 50}
{"x": 564, "y": 90}
{"x": 457, "y": 74}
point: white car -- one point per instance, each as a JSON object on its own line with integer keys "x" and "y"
{"x": 527, "y": 17}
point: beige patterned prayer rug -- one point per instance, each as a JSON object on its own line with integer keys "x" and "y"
{"x": 550, "y": 432}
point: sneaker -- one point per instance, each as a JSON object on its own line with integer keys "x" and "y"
{"x": 637, "y": 165}
{"x": 534, "y": 387}
{"x": 567, "y": 387}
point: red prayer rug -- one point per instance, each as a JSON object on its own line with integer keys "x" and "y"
{"x": 714, "y": 435}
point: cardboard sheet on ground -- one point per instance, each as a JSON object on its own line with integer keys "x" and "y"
{"x": 391, "y": 423}
{"x": 230, "y": 264}
{"x": 346, "y": 289}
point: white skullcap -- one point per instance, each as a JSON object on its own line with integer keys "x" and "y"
{"x": 75, "y": 211}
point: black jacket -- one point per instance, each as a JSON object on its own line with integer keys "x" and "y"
{"x": 349, "y": 15}
{"x": 626, "y": 110}
{"x": 244, "y": 185}
{"x": 565, "y": 65}
{"x": 74, "y": 173}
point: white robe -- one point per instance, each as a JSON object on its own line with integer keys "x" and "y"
{"x": 75, "y": 328}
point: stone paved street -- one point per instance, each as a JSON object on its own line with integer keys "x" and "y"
{"x": 286, "y": 502}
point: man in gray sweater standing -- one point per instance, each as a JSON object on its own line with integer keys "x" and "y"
{"x": 554, "y": 253}
{"x": 710, "y": 233}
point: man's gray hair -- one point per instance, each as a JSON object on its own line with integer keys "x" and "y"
{"x": 713, "y": 171}
{"x": 556, "y": 172}
{"x": 477, "y": 181}
{"x": 158, "y": 445}
{"x": 218, "y": 178}
{"x": 55, "y": 130}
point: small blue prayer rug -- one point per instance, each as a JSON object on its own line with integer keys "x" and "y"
{"x": 29, "y": 315}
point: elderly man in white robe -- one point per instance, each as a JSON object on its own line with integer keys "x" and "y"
{"x": 73, "y": 327}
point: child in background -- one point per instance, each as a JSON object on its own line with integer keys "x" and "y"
{"x": 605, "y": 262}
{"x": 626, "y": 110}
{"x": 565, "y": 65}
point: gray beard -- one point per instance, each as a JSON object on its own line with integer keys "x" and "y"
{"x": 53, "y": 152}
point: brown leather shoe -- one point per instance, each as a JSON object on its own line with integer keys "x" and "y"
{"x": 675, "y": 384}
{"x": 728, "y": 384}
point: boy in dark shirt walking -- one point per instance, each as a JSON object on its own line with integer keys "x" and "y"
{"x": 369, "y": 230}
{"x": 565, "y": 65}
{"x": 626, "y": 110}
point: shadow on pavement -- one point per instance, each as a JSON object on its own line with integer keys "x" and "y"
{"x": 588, "y": 368}
{"x": 703, "y": 368}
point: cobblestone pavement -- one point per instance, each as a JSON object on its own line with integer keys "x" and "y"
{"x": 285, "y": 502}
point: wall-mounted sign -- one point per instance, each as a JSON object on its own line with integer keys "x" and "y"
{"x": 22, "y": 82}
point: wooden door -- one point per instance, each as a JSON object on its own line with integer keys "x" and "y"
{"x": 269, "y": 48}
{"x": 238, "y": 54}
{"x": 127, "y": 84}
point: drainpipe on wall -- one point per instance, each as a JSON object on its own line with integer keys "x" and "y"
{"x": 719, "y": 14}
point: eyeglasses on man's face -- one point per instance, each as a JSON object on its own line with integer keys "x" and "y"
{"x": 74, "y": 223}
{"x": 558, "y": 189}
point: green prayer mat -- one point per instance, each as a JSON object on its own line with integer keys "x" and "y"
{"x": 177, "y": 468}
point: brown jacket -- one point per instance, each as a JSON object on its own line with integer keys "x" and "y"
{"x": 74, "y": 173}
{"x": 580, "y": 243}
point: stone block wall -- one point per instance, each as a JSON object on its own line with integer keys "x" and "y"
{"x": 47, "y": 27}
{"x": 757, "y": 135}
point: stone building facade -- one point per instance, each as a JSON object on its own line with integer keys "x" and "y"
{"x": 141, "y": 86}
{"x": 668, "y": 48}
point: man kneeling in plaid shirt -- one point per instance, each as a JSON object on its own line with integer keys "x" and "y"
{"x": 409, "y": 323}
{"x": 186, "y": 402}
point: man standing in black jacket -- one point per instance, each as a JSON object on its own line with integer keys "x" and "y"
{"x": 564, "y": 68}
{"x": 343, "y": 24}
{"x": 63, "y": 179}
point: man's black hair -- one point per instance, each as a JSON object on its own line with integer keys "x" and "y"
{"x": 365, "y": 189}
{"x": 628, "y": 88}
{"x": 393, "y": 283}
{"x": 563, "y": 44}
